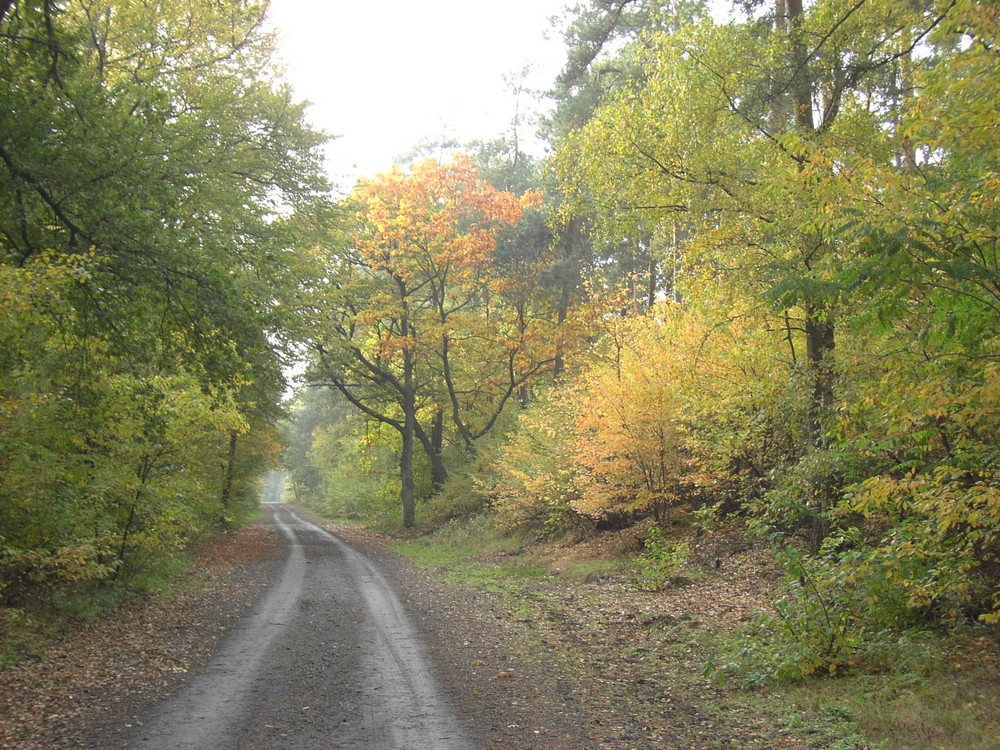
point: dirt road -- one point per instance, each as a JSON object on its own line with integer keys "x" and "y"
{"x": 327, "y": 659}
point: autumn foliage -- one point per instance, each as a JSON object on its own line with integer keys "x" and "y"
{"x": 664, "y": 413}
{"x": 144, "y": 150}
{"x": 419, "y": 324}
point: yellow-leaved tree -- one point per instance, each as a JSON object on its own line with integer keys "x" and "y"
{"x": 666, "y": 411}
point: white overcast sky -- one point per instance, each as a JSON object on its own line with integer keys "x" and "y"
{"x": 385, "y": 74}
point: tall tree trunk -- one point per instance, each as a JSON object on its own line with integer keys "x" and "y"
{"x": 438, "y": 472}
{"x": 571, "y": 245}
{"x": 819, "y": 320}
{"x": 143, "y": 475}
{"x": 801, "y": 83}
{"x": 777, "y": 117}
{"x": 437, "y": 432}
{"x": 227, "y": 480}
{"x": 409, "y": 404}
{"x": 406, "y": 474}
{"x": 409, "y": 429}
{"x": 456, "y": 411}
{"x": 653, "y": 279}
{"x": 820, "y": 342}
{"x": 908, "y": 154}
{"x": 819, "y": 327}
{"x": 563, "y": 312}
{"x": 677, "y": 235}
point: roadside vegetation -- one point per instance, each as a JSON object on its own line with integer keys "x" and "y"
{"x": 750, "y": 298}
{"x": 598, "y": 602}
{"x": 147, "y": 154}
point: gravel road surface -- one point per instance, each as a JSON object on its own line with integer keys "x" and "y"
{"x": 327, "y": 659}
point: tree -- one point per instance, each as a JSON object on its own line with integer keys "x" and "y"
{"x": 418, "y": 319}
{"x": 747, "y": 156}
{"x": 832, "y": 165}
{"x": 146, "y": 150}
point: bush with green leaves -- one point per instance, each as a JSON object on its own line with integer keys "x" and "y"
{"x": 531, "y": 480}
{"x": 838, "y": 610}
{"x": 660, "y": 562}
{"x": 806, "y": 497}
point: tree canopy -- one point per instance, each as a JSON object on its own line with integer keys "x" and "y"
{"x": 418, "y": 319}
{"x": 147, "y": 154}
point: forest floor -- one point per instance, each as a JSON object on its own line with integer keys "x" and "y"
{"x": 539, "y": 661}
{"x": 627, "y": 667}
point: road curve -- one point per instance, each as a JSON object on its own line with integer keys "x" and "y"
{"x": 327, "y": 659}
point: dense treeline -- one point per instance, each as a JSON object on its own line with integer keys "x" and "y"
{"x": 147, "y": 151}
{"x": 757, "y": 278}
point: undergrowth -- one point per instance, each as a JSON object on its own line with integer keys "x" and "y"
{"x": 825, "y": 679}
{"x": 942, "y": 696}
{"x": 28, "y": 629}
{"x": 472, "y": 550}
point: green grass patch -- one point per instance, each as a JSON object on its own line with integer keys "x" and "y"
{"x": 476, "y": 550}
{"x": 586, "y": 571}
{"x": 952, "y": 702}
{"x": 944, "y": 696}
{"x": 473, "y": 552}
{"x": 253, "y": 513}
{"x": 466, "y": 565}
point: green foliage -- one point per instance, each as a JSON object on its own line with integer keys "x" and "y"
{"x": 835, "y": 612}
{"x": 145, "y": 150}
{"x": 356, "y": 461}
{"x": 531, "y": 480}
{"x": 805, "y": 496}
{"x": 661, "y": 560}
{"x": 838, "y": 199}
{"x": 940, "y": 503}
{"x": 138, "y": 479}
{"x": 343, "y": 465}
{"x": 460, "y": 498}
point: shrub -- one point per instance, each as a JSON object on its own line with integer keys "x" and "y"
{"x": 838, "y": 610}
{"x": 656, "y": 568}
{"x": 531, "y": 479}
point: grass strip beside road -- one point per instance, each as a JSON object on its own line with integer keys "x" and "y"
{"x": 635, "y": 656}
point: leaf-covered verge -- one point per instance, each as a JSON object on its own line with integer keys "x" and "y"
{"x": 634, "y": 660}
{"x": 73, "y": 677}
{"x": 28, "y": 632}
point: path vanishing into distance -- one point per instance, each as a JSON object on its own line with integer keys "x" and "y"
{"x": 328, "y": 658}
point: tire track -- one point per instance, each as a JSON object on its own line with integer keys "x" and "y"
{"x": 327, "y": 659}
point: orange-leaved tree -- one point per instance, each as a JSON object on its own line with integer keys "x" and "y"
{"x": 415, "y": 320}
{"x": 669, "y": 410}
